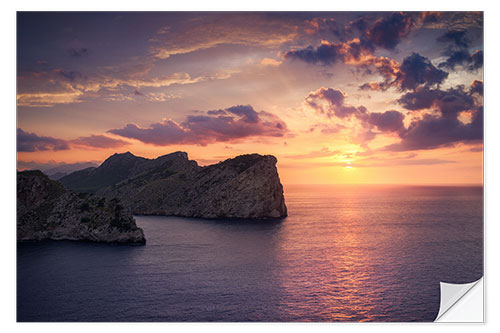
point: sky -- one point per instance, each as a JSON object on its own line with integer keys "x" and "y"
{"x": 337, "y": 97}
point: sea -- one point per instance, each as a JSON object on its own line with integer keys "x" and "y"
{"x": 345, "y": 253}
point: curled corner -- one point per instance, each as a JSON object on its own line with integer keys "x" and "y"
{"x": 461, "y": 302}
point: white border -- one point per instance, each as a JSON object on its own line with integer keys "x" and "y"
{"x": 7, "y": 165}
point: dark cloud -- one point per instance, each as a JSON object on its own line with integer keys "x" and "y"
{"x": 417, "y": 70}
{"x": 335, "y": 105}
{"x": 387, "y": 32}
{"x": 458, "y": 53}
{"x": 71, "y": 76}
{"x": 246, "y": 111}
{"x": 449, "y": 102}
{"x": 477, "y": 87}
{"x": 230, "y": 124}
{"x": 99, "y": 141}
{"x": 444, "y": 128}
{"x": 477, "y": 60}
{"x": 457, "y": 37}
{"x": 375, "y": 86}
{"x": 388, "y": 121}
{"x": 361, "y": 23}
{"x": 421, "y": 98}
{"x": 434, "y": 132}
{"x": 78, "y": 52}
{"x": 359, "y": 51}
{"x": 464, "y": 59}
{"x": 325, "y": 54}
{"x": 30, "y": 142}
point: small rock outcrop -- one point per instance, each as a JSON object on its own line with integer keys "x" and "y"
{"x": 247, "y": 186}
{"x": 47, "y": 210}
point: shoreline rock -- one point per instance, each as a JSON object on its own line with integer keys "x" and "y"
{"x": 48, "y": 211}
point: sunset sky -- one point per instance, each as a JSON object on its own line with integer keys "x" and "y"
{"x": 336, "y": 97}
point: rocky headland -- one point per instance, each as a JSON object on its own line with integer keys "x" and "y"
{"x": 247, "y": 186}
{"x": 47, "y": 210}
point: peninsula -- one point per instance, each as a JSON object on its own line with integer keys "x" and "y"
{"x": 247, "y": 186}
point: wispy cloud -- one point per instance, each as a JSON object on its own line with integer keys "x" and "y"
{"x": 48, "y": 88}
{"x": 324, "y": 152}
{"x": 31, "y": 142}
{"x": 198, "y": 33}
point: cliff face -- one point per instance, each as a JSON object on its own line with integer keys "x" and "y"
{"x": 247, "y": 186}
{"x": 46, "y": 210}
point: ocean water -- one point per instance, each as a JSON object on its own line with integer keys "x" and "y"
{"x": 344, "y": 253}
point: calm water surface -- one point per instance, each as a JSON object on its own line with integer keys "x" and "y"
{"x": 345, "y": 253}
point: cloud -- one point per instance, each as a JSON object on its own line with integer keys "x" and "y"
{"x": 413, "y": 72}
{"x": 477, "y": 87}
{"x": 71, "y": 76}
{"x": 98, "y": 141}
{"x": 464, "y": 59}
{"x": 457, "y": 37}
{"x": 448, "y": 20}
{"x": 48, "y": 88}
{"x": 325, "y": 54}
{"x": 444, "y": 128}
{"x": 78, "y": 52}
{"x": 448, "y": 102}
{"x": 388, "y": 121}
{"x": 387, "y": 32}
{"x": 200, "y": 32}
{"x": 152, "y": 96}
{"x": 478, "y": 149}
{"x": 327, "y": 27}
{"x": 434, "y": 132}
{"x": 234, "y": 123}
{"x": 30, "y": 142}
{"x": 330, "y": 102}
{"x": 270, "y": 62}
{"x": 324, "y": 152}
{"x": 246, "y": 112}
{"x": 417, "y": 70}
{"x": 457, "y": 52}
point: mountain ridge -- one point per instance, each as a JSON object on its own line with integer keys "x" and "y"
{"x": 246, "y": 186}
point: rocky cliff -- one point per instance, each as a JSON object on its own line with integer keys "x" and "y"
{"x": 47, "y": 210}
{"x": 246, "y": 186}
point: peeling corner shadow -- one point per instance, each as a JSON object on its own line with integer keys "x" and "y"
{"x": 451, "y": 294}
